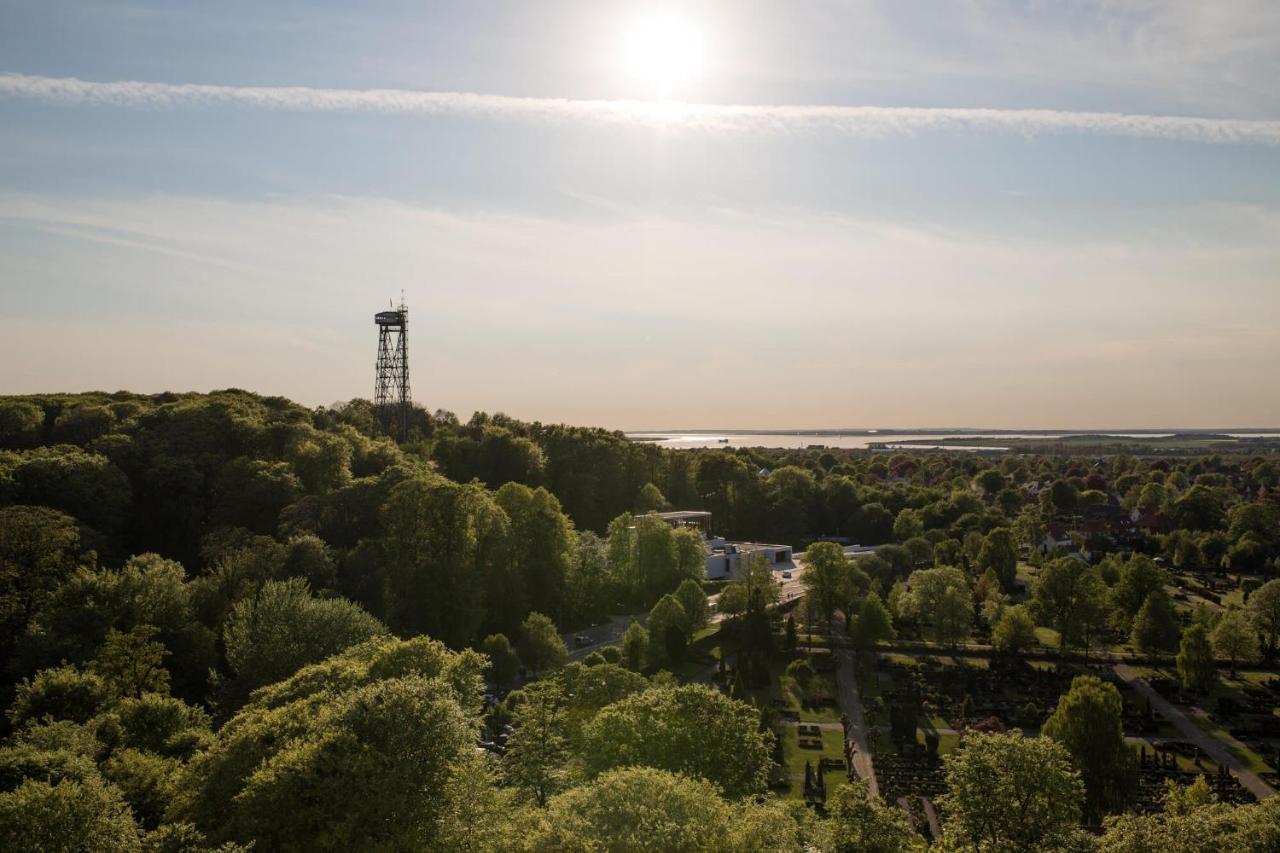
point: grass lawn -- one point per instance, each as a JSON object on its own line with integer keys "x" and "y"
{"x": 794, "y": 758}
{"x": 1247, "y": 756}
{"x": 1047, "y": 637}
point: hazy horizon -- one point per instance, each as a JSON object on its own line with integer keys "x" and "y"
{"x": 626, "y": 214}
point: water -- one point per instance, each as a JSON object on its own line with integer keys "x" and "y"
{"x": 863, "y": 440}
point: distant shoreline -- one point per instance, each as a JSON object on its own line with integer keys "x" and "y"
{"x": 656, "y": 435}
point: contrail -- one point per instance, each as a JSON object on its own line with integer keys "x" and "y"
{"x": 870, "y": 122}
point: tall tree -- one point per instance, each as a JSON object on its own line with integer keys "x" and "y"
{"x": 1087, "y": 722}
{"x": 132, "y": 663}
{"x": 503, "y": 660}
{"x": 825, "y": 566}
{"x": 541, "y": 545}
{"x": 1009, "y": 792}
{"x": 1065, "y": 590}
{"x": 1234, "y": 638}
{"x": 282, "y": 628}
{"x": 667, "y": 615}
{"x": 1263, "y": 608}
{"x": 999, "y": 553}
{"x": 538, "y": 750}
{"x": 690, "y": 729}
{"x": 860, "y": 823}
{"x": 874, "y": 624}
{"x": 1155, "y": 627}
{"x": 693, "y": 600}
{"x": 446, "y": 545}
{"x": 1014, "y": 631}
{"x": 1196, "y": 665}
{"x": 635, "y": 646}
{"x": 541, "y": 647}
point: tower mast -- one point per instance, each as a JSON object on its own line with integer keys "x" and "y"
{"x": 391, "y": 398}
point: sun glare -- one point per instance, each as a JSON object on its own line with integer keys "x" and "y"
{"x": 663, "y": 53}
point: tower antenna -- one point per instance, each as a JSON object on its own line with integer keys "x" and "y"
{"x": 391, "y": 398}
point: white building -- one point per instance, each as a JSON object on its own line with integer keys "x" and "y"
{"x": 723, "y": 557}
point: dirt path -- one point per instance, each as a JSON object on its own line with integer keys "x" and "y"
{"x": 1211, "y": 746}
{"x": 851, "y": 704}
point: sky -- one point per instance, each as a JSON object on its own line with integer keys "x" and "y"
{"x": 648, "y": 215}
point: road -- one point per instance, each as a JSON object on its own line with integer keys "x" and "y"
{"x": 851, "y": 704}
{"x": 606, "y": 634}
{"x": 1209, "y": 744}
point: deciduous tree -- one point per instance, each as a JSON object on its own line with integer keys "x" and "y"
{"x": 1006, "y": 792}
{"x": 1088, "y": 723}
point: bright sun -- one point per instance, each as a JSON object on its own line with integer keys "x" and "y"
{"x": 664, "y": 53}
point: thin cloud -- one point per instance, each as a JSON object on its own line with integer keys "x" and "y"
{"x": 870, "y": 122}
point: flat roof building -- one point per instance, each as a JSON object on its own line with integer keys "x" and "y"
{"x": 723, "y": 556}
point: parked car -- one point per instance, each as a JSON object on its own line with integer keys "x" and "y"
{"x": 582, "y": 640}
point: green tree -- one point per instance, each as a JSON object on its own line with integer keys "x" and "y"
{"x": 999, "y": 553}
{"x": 694, "y": 601}
{"x": 908, "y": 525}
{"x": 133, "y": 662}
{"x": 860, "y": 823}
{"x": 690, "y": 729}
{"x": 541, "y": 545}
{"x": 1065, "y": 593}
{"x": 825, "y": 567}
{"x": 541, "y": 647}
{"x": 635, "y": 808}
{"x": 1198, "y": 508}
{"x": 20, "y": 424}
{"x": 1155, "y": 627}
{"x": 1234, "y": 638}
{"x": 503, "y": 660}
{"x": 1254, "y": 520}
{"x": 588, "y": 583}
{"x": 37, "y": 552}
{"x": 990, "y": 481}
{"x": 1014, "y": 631}
{"x": 942, "y": 598}
{"x": 65, "y": 817}
{"x": 1196, "y": 825}
{"x": 650, "y": 499}
{"x": 1006, "y": 792}
{"x": 273, "y": 634}
{"x": 322, "y": 462}
{"x": 1196, "y": 666}
{"x": 446, "y": 547}
{"x": 1263, "y": 608}
{"x": 1139, "y": 578}
{"x": 635, "y": 646}
{"x": 874, "y": 624}
{"x": 60, "y": 693}
{"x": 354, "y": 752}
{"x": 476, "y": 813}
{"x": 691, "y": 556}
{"x": 1088, "y": 723}
{"x": 538, "y": 750}
{"x": 666, "y": 615}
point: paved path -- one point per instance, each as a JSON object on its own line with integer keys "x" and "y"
{"x": 826, "y": 726}
{"x": 1211, "y": 746}
{"x": 851, "y": 704}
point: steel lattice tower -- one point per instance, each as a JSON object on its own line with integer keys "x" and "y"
{"x": 391, "y": 391}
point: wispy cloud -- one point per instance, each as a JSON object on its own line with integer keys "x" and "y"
{"x": 856, "y": 121}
